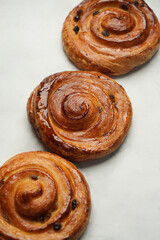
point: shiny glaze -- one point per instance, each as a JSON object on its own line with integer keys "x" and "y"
{"x": 80, "y": 115}
{"x": 33, "y": 209}
{"x": 132, "y": 35}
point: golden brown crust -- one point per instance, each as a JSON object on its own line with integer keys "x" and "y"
{"x": 42, "y": 196}
{"x": 111, "y": 36}
{"x": 80, "y": 115}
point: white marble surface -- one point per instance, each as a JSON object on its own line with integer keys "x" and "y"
{"x": 125, "y": 186}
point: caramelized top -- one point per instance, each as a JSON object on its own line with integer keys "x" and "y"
{"x": 109, "y": 30}
{"x": 80, "y": 114}
{"x": 42, "y": 196}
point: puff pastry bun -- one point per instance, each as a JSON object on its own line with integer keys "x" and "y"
{"x": 42, "y": 196}
{"x": 80, "y": 115}
{"x": 111, "y": 36}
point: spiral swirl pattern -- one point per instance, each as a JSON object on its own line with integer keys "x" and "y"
{"x": 42, "y": 196}
{"x": 80, "y": 115}
{"x": 111, "y": 36}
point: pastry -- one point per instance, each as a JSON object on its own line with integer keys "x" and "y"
{"x": 42, "y": 196}
{"x": 111, "y": 36}
{"x": 80, "y": 115}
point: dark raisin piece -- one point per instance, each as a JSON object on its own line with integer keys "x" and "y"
{"x": 96, "y": 12}
{"x": 136, "y": 3}
{"x": 99, "y": 109}
{"x": 79, "y": 11}
{"x": 111, "y": 97}
{"x": 76, "y": 29}
{"x": 81, "y": 107}
{"x": 74, "y": 204}
{"x": 34, "y": 177}
{"x": 41, "y": 218}
{"x": 5, "y": 217}
{"x": 45, "y": 217}
{"x": 124, "y": 7}
{"x": 142, "y": 5}
{"x": 76, "y": 18}
{"x": 120, "y": 18}
{"x": 1, "y": 182}
{"x": 57, "y": 226}
{"x": 104, "y": 33}
{"x": 105, "y": 134}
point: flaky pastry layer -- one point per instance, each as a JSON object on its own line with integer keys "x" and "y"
{"x": 42, "y": 196}
{"x": 80, "y": 115}
{"x": 111, "y": 36}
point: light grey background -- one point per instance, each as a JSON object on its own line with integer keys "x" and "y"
{"x": 125, "y": 186}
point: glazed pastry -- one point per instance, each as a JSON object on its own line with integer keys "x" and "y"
{"x": 111, "y": 36}
{"x": 42, "y": 196}
{"x": 80, "y": 115}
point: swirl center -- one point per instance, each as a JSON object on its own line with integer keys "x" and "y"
{"x": 75, "y": 107}
{"x": 118, "y": 22}
{"x": 32, "y": 198}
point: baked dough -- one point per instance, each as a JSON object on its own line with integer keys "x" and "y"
{"x": 80, "y": 115}
{"x": 42, "y": 196}
{"x": 111, "y": 36}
